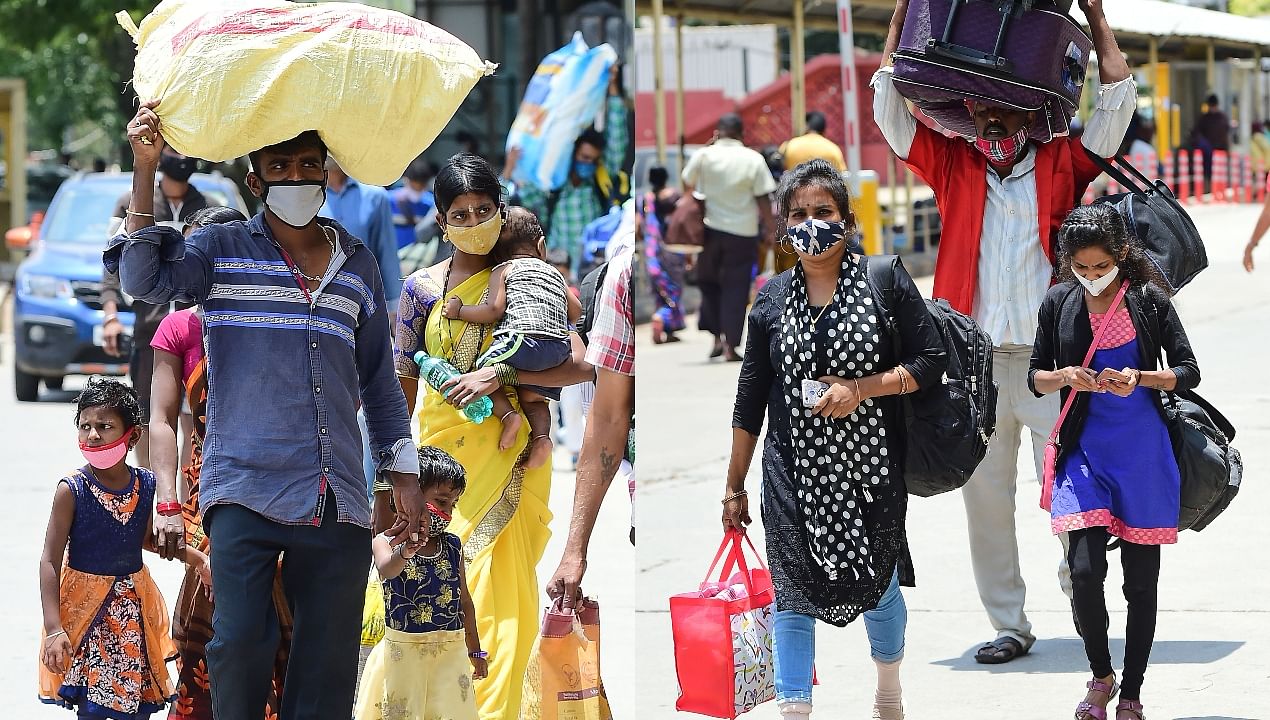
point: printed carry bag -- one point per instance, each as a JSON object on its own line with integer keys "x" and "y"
{"x": 233, "y": 76}
{"x": 723, "y": 637}
{"x": 563, "y": 97}
{"x": 563, "y": 681}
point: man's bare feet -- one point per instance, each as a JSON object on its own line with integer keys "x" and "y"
{"x": 511, "y": 428}
{"x": 539, "y": 451}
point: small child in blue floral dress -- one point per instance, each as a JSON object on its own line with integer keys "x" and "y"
{"x": 431, "y": 653}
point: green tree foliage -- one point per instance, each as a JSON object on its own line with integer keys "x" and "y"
{"x": 76, "y": 61}
{"x": 1253, "y": 8}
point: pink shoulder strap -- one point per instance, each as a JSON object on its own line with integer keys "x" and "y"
{"x": 1102, "y": 328}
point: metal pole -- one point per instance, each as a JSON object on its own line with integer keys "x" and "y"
{"x": 659, "y": 97}
{"x": 797, "y": 65}
{"x": 1212, "y": 66}
{"x": 1257, "y": 79}
{"x": 1153, "y": 71}
{"x": 850, "y": 101}
{"x": 680, "y": 118}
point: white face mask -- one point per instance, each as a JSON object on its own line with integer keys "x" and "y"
{"x": 1097, "y": 286}
{"x": 297, "y": 202}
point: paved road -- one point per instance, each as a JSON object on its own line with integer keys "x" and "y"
{"x": 37, "y": 444}
{"x": 1211, "y": 659}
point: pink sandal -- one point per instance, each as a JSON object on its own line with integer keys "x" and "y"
{"x": 1087, "y": 710}
{"x": 1132, "y": 706}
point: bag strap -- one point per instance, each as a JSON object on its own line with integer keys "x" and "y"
{"x": 1138, "y": 186}
{"x": 735, "y": 559}
{"x": 1102, "y": 327}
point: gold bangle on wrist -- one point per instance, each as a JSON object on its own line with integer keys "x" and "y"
{"x": 734, "y": 496}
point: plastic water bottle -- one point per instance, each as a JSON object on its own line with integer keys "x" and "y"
{"x": 436, "y": 371}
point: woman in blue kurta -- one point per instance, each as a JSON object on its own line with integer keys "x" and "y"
{"x": 1116, "y": 474}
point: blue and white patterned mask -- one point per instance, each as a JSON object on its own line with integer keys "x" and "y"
{"x": 816, "y": 237}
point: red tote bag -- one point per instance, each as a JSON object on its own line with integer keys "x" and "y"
{"x": 723, "y": 637}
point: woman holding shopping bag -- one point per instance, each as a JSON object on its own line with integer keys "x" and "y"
{"x": 1100, "y": 336}
{"x": 820, "y": 364}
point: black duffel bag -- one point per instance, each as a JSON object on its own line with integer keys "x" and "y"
{"x": 1210, "y": 466}
{"x": 1150, "y": 210}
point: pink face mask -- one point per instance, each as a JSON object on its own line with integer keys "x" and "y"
{"x": 104, "y": 457}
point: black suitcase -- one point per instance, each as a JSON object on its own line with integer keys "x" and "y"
{"x": 1024, "y": 55}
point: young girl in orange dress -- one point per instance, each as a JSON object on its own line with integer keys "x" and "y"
{"x": 105, "y": 640}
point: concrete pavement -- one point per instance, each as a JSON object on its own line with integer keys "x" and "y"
{"x": 1211, "y": 659}
{"x": 37, "y": 446}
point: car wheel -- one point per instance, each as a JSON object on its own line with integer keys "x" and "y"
{"x": 53, "y": 383}
{"x": 25, "y": 385}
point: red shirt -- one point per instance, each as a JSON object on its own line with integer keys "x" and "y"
{"x": 957, "y": 173}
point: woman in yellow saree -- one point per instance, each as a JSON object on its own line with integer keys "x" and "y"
{"x": 503, "y": 516}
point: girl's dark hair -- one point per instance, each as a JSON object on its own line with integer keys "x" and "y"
{"x": 466, "y": 173}
{"x": 112, "y": 395}
{"x": 813, "y": 173}
{"x": 1102, "y": 226}
{"x": 215, "y": 215}
{"x": 437, "y": 466}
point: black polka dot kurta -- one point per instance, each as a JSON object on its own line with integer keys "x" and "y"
{"x": 833, "y": 499}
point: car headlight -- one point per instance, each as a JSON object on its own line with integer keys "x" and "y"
{"x": 45, "y": 286}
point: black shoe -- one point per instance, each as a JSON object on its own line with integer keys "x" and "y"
{"x": 718, "y": 349}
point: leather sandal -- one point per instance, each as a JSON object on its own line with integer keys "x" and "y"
{"x": 1087, "y": 710}
{"x": 1001, "y": 650}
{"x": 1132, "y": 706}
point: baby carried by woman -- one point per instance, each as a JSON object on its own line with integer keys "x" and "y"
{"x": 534, "y": 311}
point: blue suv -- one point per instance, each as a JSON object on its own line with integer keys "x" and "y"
{"x": 57, "y": 317}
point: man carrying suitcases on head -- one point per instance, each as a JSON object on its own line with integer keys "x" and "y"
{"x": 1002, "y": 198}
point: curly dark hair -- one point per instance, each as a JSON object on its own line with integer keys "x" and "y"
{"x": 112, "y": 395}
{"x": 813, "y": 173}
{"x": 437, "y": 466}
{"x": 1101, "y": 225}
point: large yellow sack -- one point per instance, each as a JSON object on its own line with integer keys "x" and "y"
{"x": 233, "y": 76}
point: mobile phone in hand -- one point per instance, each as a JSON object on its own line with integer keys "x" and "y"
{"x": 813, "y": 390}
{"x": 1109, "y": 374}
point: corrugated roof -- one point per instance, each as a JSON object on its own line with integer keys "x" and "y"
{"x": 1129, "y": 19}
{"x": 1164, "y": 19}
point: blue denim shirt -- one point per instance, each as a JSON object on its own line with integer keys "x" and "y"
{"x": 366, "y": 211}
{"x": 284, "y": 374}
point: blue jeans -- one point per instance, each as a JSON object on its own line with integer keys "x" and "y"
{"x": 324, "y": 577}
{"x": 794, "y": 642}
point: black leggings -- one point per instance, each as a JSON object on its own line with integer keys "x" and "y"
{"x": 1087, "y": 556}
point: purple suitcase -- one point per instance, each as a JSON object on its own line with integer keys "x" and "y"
{"x": 994, "y": 51}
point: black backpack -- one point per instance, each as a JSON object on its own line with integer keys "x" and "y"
{"x": 591, "y": 285}
{"x": 949, "y": 424}
{"x": 1150, "y": 211}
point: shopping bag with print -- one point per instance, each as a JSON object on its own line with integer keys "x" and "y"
{"x": 563, "y": 681}
{"x": 723, "y": 636}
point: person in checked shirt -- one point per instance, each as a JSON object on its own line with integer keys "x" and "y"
{"x": 1003, "y": 197}
{"x": 297, "y": 335}
{"x": 609, "y": 433}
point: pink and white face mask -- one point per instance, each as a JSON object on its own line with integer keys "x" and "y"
{"x": 104, "y": 457}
